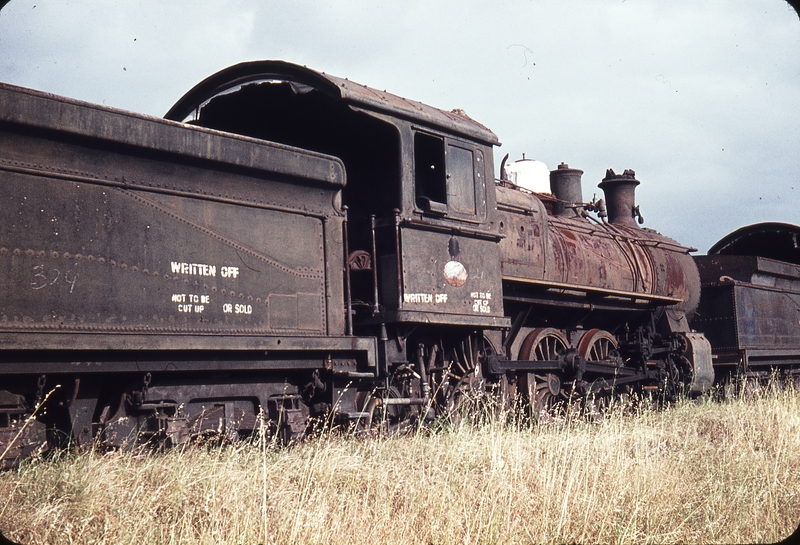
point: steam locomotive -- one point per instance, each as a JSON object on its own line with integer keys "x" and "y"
{"x": 287, "y": 245}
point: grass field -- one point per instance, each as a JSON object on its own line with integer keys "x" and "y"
{"x": 707, "y": 472}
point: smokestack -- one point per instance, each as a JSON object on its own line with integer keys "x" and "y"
{"x": 620, "y": 192}
{"x": 565, "y": 184}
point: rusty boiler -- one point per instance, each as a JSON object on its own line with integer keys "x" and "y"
{"x": 554, "y": 250}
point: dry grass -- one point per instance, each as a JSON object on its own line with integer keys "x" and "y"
{"x": 710, "y": 472}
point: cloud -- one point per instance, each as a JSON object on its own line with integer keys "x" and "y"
{"x": 699, "y": 98}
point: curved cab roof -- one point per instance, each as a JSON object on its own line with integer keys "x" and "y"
{"x": 354, "y": 94}
{"x": 772, "y": 240}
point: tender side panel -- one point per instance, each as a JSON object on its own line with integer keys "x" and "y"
{"x": 110, "y": 237}
{"x": 749, "y": 317}
{"x": 750, "y": 303}
{"x": 84, "y": 257}
{"x": 767, "y": 319}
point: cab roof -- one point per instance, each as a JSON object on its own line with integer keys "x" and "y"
{"x": 772, "y": 240}
{"x": 354, "y": 94}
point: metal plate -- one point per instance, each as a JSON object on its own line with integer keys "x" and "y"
{"x": 450, "y": 275}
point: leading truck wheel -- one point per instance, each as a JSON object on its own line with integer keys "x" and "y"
{"x": 542, "y": 393}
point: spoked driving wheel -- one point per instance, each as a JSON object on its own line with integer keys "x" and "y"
{"x": 461, "y": 387}
{"x": 542, "y": 392}
{"x": 598, "y": 345}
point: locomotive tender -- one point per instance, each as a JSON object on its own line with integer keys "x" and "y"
{"x": 287, "y": 244}
{"x": 750, "y": 309}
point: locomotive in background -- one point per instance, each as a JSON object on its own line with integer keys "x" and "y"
{"x": 288, "y": 245}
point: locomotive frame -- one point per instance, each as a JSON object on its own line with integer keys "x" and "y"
{"x": 286, "y": 245}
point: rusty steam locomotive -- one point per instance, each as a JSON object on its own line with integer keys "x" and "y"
{"x": 287, "y": 245}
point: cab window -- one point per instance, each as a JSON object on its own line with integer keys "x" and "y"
{"x": 445, "y": 176}
{"x": 460, "y": 180}
{"x": 429, "y": 173}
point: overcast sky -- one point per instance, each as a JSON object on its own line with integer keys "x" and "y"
{"x": 701, "y": 99}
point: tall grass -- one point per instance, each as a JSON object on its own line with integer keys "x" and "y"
{"x": 697, "y": 472}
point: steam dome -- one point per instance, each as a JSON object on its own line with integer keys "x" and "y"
{"x": 529, "y": 174}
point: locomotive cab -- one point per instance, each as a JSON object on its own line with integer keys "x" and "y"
{"x": 421, "y": 230}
